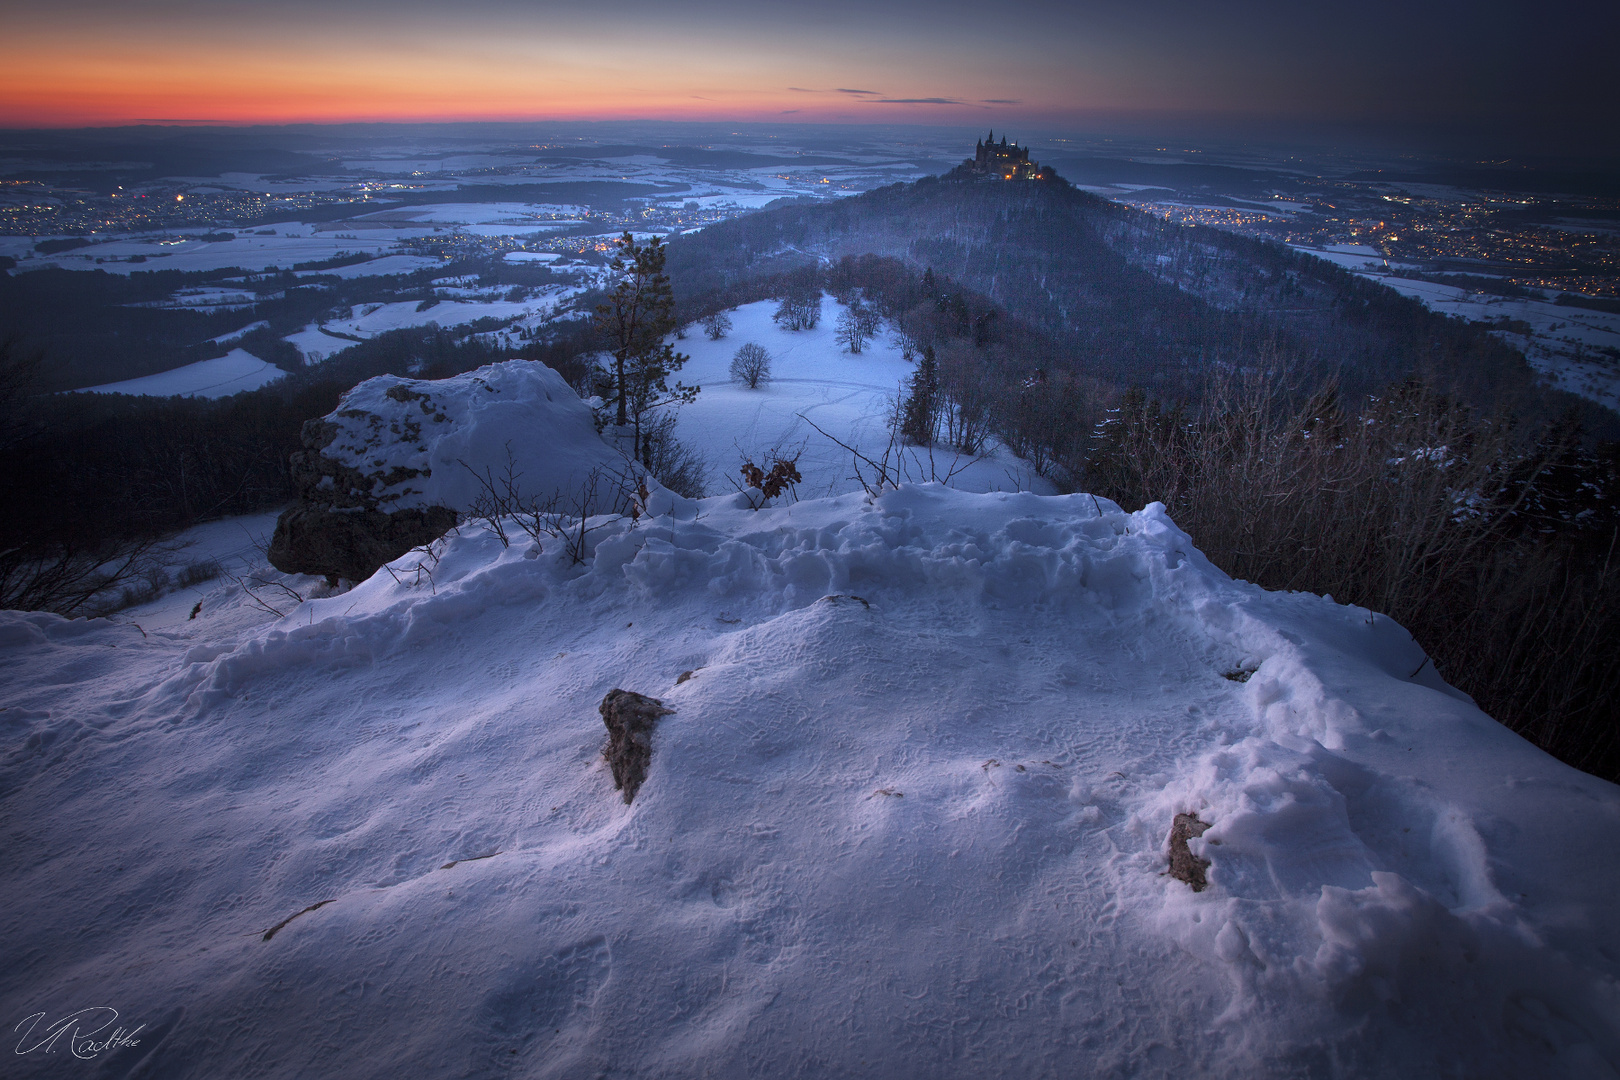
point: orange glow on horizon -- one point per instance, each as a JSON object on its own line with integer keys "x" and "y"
{"x": 54, "y": 75}
{"x": 75, "y": 91}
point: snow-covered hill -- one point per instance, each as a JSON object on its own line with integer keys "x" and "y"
{"x": 909, "y": 817}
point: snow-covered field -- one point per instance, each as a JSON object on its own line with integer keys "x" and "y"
{"x": 375, "y": 318}
{"x": 248, "y": 251}
{"x": 370, "y": 319}
{"x": 909, "y": 817}
{"x": 236, "y": 371}
{"x": 387, "y": 264}
{"x": 1357, "y": 258}
{"x": 813, "y": 378}
{"x": 315, "y": 346}
{"x": 1565, "y": 343}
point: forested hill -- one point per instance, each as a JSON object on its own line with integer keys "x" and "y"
{"x": 1127, "y": 297}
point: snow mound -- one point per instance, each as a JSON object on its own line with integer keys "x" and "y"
{"x": 909, "y": 815}
{"x": 417, "y": 443}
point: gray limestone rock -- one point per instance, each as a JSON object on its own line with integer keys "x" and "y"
{"x": 630, "y": 717}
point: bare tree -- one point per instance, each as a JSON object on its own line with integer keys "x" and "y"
{"x": 799, "y": 310}
{"x": 851, "y": 334}
{"x": 751, "y": 366}
{"x": 717, "y": 325}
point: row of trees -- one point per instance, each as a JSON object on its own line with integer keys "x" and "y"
{"x": 799, "y": 308}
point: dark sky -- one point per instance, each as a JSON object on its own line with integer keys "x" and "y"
{"x": 1506, "y": 76}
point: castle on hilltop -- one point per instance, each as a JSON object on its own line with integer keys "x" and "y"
{"x": 999, "y": 161}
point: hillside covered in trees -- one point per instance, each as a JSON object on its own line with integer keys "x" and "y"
{"x": 1126, "y": 297}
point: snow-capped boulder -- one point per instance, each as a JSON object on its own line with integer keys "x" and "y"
{"x": 399, "y": 460}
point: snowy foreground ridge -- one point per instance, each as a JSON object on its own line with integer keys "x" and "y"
{"x": 908, "y": 818}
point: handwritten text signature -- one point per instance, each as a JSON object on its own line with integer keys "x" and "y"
{"x": 85, "y": 1034}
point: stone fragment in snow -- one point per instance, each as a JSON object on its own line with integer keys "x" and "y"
{"x": 1184, "y": 865}
{"x": 630, "y": 717}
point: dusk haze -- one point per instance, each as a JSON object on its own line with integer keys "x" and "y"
{"x": 1521, "y": 73}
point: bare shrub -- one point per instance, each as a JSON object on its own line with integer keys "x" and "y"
{"x": 760, "y": 485}
{"x": 569, "y": 516}
{"x": 77, "y": 579}
{"x": 673, "y": 463}
{"x": 413, "y": 575}
{"x": 896, "y": 464}
{"x": 255, "y": 589}
{"x": 1414, "y": 507}
{"x": 197, "y": 572}
{"x": 717, "y": 326}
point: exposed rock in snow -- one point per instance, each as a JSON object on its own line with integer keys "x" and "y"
{"x": 352, "y": 543}
{"x": 630, "y": 718}
{"x": 396, "y": 462}
{"x": 1184, "y": 865}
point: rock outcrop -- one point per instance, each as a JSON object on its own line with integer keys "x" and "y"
{"x": 399, "y": 461}
{"x": 352, "y": 544}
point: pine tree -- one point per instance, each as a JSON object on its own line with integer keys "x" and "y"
{"x": 639, "y": 314}
{"x": 920, "y": 414}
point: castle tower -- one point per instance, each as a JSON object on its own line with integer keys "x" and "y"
{"x": 1003, "y": 160}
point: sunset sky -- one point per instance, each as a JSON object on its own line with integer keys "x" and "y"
{"x": 1510, "y": 68}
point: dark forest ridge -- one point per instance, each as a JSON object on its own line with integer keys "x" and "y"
{"x": 1126, "y": 295}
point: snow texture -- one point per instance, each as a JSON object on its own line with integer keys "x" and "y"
{"x": 909, "y": 816}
